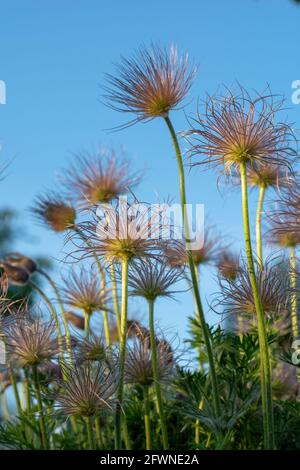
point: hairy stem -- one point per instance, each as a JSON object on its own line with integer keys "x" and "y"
{"x": 293, "y": 285}
{"x": 266, "y": 386}
{"x": 115, "y": 297}
{"x": 259, "y": 248}
{"x": 147, "y": 418}
{"x": 42, "y": 423}
{"x": 193, "y": 270}
{"x": 156, "y": 377}
{"x": 118, "y": 420}
{"x": 99, "y": 434}
{"x": 90, "y": 433}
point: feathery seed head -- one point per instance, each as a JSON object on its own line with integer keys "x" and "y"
{"x": 99, "y": 178}
{"x": 151, "y": 278}
{"x": 82, "y": 291}
{"x": 151, "y": 83}
{"x": 54, "y": 212}
{"x": 138, "y": 363}
{"x": 88, "y": 391}
{"x": 30, "y": 343}
{"x": 239, "y": 129}
{"x": 237, "y": 295}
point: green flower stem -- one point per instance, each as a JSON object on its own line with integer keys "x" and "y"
{"x": 259, "y": 251}
{"x": 87, "y": 318}
{"x": 16, "y": 391}
{"x": 147, "y": 418}
{"x": 266, "y": 386}
{"x": 193, "y": 270}
{"x": 293, "y": 285}
{"x": 90, "y": 433}
{"x": 115, "y": 296}
{"x": 27, "y": 391}
{"x": 65, "y": 321}
{"x": 99, "y": 434}
{"x": 123, "y": 335}
{"x": 4, "y": 407}
{"x": 42, "y": 423}
{"x": 198, "y": 426}
{"x": 126, "y": 433}
{"x": 156, "y": 376}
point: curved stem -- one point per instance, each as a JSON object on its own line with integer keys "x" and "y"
{"x": 147, "y": 418}
{"x": 293, "y": 285}
{"x": 259, "y": 251}
{"x": 156, "y": 376}
{"x": 122, "y": 353}
{"x": 193, "y": 270}
{"x": 44, "y": 439}
{"x": 266, "y": 386}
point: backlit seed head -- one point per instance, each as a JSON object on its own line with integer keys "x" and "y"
{"x": 150, "y": 84}
{"x": 99, "y": 178}
{"x": 21, "y": 261}
{"x": 236, "y": 128}
{"x": 228, "y": 265}
{"x": 88, "y": 391}
{"x": 57, "y": 214}
{"x": 91, "y": 349}
{"x": 30, "y": 343}
{"x": 138, "y": 363}
{"x": 176, "y": 253}
{"x": 151, "y": 278}
{"x": 236, "y": 296}
{"x": 121, "y": 233}
{"x": 268, "y": 175}
{"x": 284, "y": 231}
{"x": 82, "y": 291}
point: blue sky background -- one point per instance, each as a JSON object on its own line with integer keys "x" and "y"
{"x": 53, "y": 55}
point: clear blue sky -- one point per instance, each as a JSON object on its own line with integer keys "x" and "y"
{"x": 53, "y": 55}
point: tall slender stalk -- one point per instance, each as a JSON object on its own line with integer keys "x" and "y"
{"x": 266, "y": 386}
{"x": 42, "y": 423}
{"x": 259, "y": 249}
{"x": 156, "y": 376}
{"x": 90, "y": 433}
{"x": 293, "y": 285}
{"x": 193, "y": 270}
{"x": 87, "y": 318}
{"x": 15, "y": 390}
{"x": 99, "y": 433}
{"x": 147, "y": 417}
{"x": 115, "y": 297}
{"x": 123, "y": 335}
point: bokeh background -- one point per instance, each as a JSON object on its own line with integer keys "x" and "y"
{"x": 53, "y": 56}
